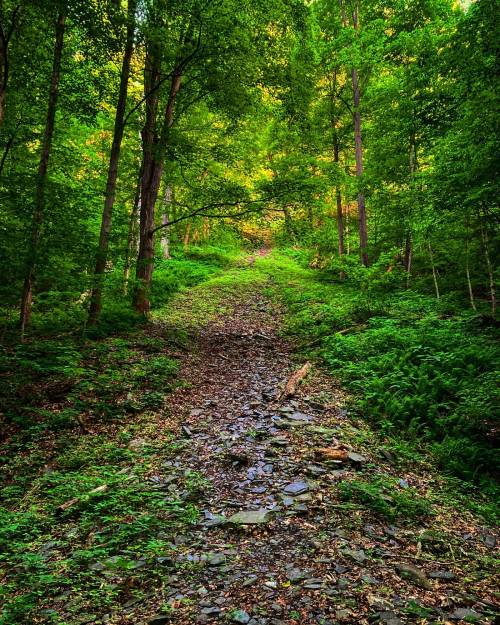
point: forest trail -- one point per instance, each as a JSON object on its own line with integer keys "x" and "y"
{"x": 275, "y": 544}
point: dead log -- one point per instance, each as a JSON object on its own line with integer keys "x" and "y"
{"x": 294, "y": 380}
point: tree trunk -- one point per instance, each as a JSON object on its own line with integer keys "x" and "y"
{"x": 114, "y": 158}
{"x": 132, "y": 237}
{"x": 434, "y": 272}
{"x": 467, "y": 268}
{"x": 338, "y": 197}
{"x": 489, "y": 267}
{"x": 412, "y": 165}
{"x": 5, "y": 35}
{"x": 185, "y": 241}
{"x": 153, "y": 163}
{"x": 165, "y": 237}
{"x": 38, "y": 211}
{"x": 363, "y": 233}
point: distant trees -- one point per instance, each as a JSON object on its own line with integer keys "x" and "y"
{"x": 354, "y": 125}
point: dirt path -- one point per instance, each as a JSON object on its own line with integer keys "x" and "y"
{"x": 296, "y": 553}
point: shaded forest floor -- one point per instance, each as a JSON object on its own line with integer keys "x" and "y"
{"x": 221, "y": 502}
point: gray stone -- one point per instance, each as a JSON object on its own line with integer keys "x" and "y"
{"x": 294, "y": 575}
{"x": 296, "y": 488}
{"x": 210, "y": 611}
{"x": 389, "y": 618}
{"x": 250, "y": 517}
{"x": 298, "y": 416}
{"x": 216, "y": 559}
{"x": 444, "y": 575}
{"x": 159, "y": 620}
{"x": 462, "y": 613}
{"x": 356, "y": 458}
{"x": 357, "y": 555}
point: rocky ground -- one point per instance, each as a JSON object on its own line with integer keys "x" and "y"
{"x": 277, "y": 543}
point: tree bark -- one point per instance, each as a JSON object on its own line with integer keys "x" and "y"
{"x": 467, "y": 267}
{"x": 165, "y": 237}
{"x": 114, "y": 158}
{"x": 434, "y": 272}
{"x": 187, "y": 233}
{"x": 132, "y": 237}
{"x": 39, "y": 205}
{"x": 363, "y": 233}
{"x": 489, "y": 267}
{"x": 153, "y": 163}
{"x": 338, "y": 197}
{"x": 408, "y": 253}
{"x": 5, "y": 36}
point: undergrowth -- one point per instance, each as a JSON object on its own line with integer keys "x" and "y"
{"x": 417, "y": 368}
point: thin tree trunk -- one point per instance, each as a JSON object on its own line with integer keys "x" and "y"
{"x": 165, "y": 237}
{"x": 39, "y": 205}
{"x": 338, "y": 197}
{"x": 8, "y": 146}
{"x": 114, "y": 158}
{"x": 347, "y": 230}
{"x": 467, "y": 268}
{"x": 5, "y": 36}
{"x": 489, "y": 267}
{"x": 412, "y": 164}
{"x": 434, "y": 273}
{"x": 185, "y": 241}
{"x": 153, "y": 163}
{"x": 132, "y": 237}
{"x": 363, "y": 234}
{"x": 408, "y": 255}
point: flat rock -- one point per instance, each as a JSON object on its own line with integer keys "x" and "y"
{"x": 296, "y": 488}
{"x": 159, "y": 620}
{"x": 250, "y": 517}
{"x": 358, "y": 555}
{"x": 295, "y": 575}
{"x": 444, "y": 575}
{"x": 462, "y": 613}
{"x": 356, "y": 458}
{"x": 216, "y": 559}
{"x": 299, "y": 416}
{"x": 387, "y": 617}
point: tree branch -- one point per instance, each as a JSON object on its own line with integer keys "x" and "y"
{"x": 178, "y": 69}
{"x": 200, "y": 212}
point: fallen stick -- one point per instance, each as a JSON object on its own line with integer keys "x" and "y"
{"x": 71, "y": 502}
{"x": 294, "y": 380}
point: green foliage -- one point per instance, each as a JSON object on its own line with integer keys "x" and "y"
{"x": 109, "y": 536}
{"x": 384, "y": 496}
{"x": 418, "y": 367}
{"x": 57, "y": 383}
{"x": 433, "y": 377}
